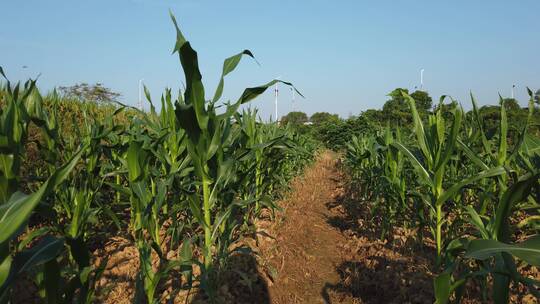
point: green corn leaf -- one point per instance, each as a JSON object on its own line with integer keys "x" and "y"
{"x": 5, "y": 268}
{"x": 187, "y": 119}
{"x": 180, "y": 39}
{"x": 442, "y": 285}
{"x": 424, "y": 174}
{"x": 252, "y": 93}
{"x": 518, "y": 192}
{"x": 472, "y": 155}
{"x": 454, "y": 189}
{"x": 46, "y": 250}
{"x": 220, "y": 219}
{"x": 194, "y": 94}
{"x": 503, "y": 131}
{"x": 20, "y": 206}
{"x": 215, "y": 143}
{"x": 477, "y": 221}
{"x": 228, "y": 66}
{"x": 480, "y": 125}
{"x": 419, "y": 128}
{"x": 134, "y": 166}
{"x": 63, "y": 172}
{"x": 531, "y": 145}
{"x": 451, "y": 141}
{"x": 195, "y": 207}
{"x": 523, "y": 133}
{"x": 528, "y": 251}
{"x": 501, "y": 280}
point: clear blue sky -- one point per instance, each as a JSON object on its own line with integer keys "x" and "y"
{"x": 345, "y": 56}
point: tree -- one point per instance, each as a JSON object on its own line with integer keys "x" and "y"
{"x": 319, "y": 118}
{"x": 94, "y": 92}
{"x": 516, "y": 117}
{"x": 374, "y": 117}
{"x": 424, "y": 103}
{"x": 397, "y": 111}
{"x": 294, "y": 118}
{"x": 511, "y": 104}
{"x": 335, "y": 134}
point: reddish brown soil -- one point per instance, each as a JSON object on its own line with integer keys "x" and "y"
{"x": 307, "y": 249}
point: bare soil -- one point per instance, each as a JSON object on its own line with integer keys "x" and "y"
{"x": 307, "y": 249}
{"x": 326, "y": 251}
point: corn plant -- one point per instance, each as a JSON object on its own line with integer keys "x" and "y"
{"x": 17, "y": 207}
{"x": 436, "y": 148}
{"x": 265, "y": 147}
{"x": 365, "y": 159}
{"x": 253, "y": 139}
{"x": 208, "y": 136}
{"x": 470, "y": 183}
{"x": 494, "y": 231}
{"x": 394, "y": 175}
{"x": 147, "y": 194}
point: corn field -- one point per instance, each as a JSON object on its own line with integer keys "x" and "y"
{"x": 475, "y": 196}
{"x": 190, "y": 178}
{"x": 195, "y": 175}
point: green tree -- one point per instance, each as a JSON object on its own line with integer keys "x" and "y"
{"x": 511, "y": 104}
{"x": 374, "y": 117}
{"x": 294, "y": 118}
{"x": 335, "y": 134}
{"x": 319, "y": 118}
{"x": 396, "y": 110}
{"x": 90, "y": 92}
{"x": 516, "y": 117}
{"x": 424, "y": 102}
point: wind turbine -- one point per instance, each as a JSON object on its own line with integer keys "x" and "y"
{"x": 513, "y": 87}
{"x": 421, "y": 79}
{"x": 276, "y": 93}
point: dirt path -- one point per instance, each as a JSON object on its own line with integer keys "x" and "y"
{"x": 306, "y": 250}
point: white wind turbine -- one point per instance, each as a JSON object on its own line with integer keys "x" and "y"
{"x": 421, "y": 79}
{"x": 276, "y": 94}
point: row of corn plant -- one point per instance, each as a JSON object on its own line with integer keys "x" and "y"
{"x": 190, "y": 178}
{"x": 466, "y": 187}
{"x": 20, "y": 109}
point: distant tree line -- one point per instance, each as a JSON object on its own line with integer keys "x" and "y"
{"x": 335, "y": 131}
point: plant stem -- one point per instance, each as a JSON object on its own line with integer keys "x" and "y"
{"x": 208, "y": 224}
{"x": 438, "y": 232}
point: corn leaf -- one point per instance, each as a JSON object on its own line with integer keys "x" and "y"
{"x": 528, "y": 251}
